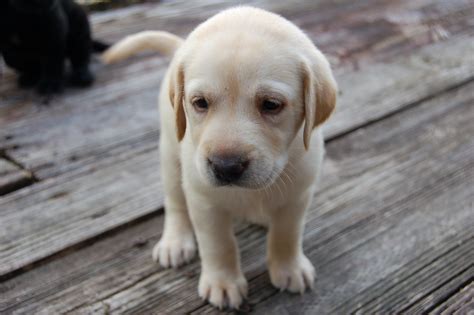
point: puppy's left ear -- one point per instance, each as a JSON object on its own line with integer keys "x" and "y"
{"x": 176, "y": 94}
{"x": 320, "y": 93}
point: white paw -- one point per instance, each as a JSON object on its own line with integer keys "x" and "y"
{"x": 223, "y": 290}
{"x": 174, "y": 251}
{"x": 295, "y": 276}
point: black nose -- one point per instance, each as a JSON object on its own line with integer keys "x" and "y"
{"x": 228, "y": 168}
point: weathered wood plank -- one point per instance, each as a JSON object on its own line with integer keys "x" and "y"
{"x": 57, "y": 286}
{"x": 371, "y": 218}
{"x": 43, "y": 219}
{"x": 12, "y": 177}
{"x": 394, "y": 21}
{"x": 135, "y": 155}
{"x": 385, "y": 88}
{"x": 416, "y": 287}
{"x": 443, "y": 291}
{"x": 460, "y": 303}
{"x": 78, "y": 126}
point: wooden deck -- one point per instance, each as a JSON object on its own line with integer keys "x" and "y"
{"x": 391, "y": 227}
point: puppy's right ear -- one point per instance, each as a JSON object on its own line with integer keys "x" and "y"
{"x": 176, "y": 94}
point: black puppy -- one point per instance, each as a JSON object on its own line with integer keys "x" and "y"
{"x": 36, "y": 38}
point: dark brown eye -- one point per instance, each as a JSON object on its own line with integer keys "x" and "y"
{"x": 200, "y": 104}
{"x": 271, "y": 107}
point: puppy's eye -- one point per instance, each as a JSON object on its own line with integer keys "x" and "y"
{"x": 271, "y": 107}
{"x": 200, "y": 104}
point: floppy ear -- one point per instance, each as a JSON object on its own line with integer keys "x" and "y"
{"x": 176, "y": 94}
{"x": 320, "y": 93}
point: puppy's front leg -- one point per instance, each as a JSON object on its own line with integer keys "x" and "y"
{"x": 289, "y": 268}
{"x": 177, "y": 245}
{"x": 221, "y": 277}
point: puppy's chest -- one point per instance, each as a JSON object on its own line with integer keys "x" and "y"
{"x": 254, "y": 207}
{"x": 258, "y": 213}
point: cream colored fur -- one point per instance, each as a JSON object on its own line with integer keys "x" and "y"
{"x": 162, "y": 42}
{"x": 235, "y": 61}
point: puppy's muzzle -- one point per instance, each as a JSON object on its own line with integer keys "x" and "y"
{"x": 228, "y": 169}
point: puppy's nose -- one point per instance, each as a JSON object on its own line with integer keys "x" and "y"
{"x": 228, "y": 168}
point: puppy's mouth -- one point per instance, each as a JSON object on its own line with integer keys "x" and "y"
{"x": 245, "y": 182}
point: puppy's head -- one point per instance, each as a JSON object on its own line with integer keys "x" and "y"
{"x": 242, "y": 86}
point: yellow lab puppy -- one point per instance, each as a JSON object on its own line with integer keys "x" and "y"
{"x": 240, "y": 108}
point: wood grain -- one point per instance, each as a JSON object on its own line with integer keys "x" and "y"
{"x": 371, "y": 218}
{"x": 415, "y": 288}
{"x": 43, "y": 219}
{"x": 445, "y": 290}
{"x": 460, "y": 303}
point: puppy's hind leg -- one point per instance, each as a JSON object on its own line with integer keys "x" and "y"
{"x": 177, "y": 245}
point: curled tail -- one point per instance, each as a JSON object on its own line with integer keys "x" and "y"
{"x": 163, "y": 42}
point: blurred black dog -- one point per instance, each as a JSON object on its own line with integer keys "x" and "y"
{"x": 36, "y": 38}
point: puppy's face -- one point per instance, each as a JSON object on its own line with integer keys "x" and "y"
{"x": 243, "y": 109}
{"x": 242, "y": 103}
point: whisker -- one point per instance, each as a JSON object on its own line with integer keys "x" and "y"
{"x": 285, "y": 172}
{"x": 278, "y": 186}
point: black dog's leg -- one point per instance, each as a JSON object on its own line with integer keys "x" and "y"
{"x": 80, "y": 58}
{"x": 56, "y": 32}
{"x": 52, "y": 72}
{"x": 28, "y": 79}
{"x": 52, "y": 66}
{"x": 80, "y": 48}
{"x": 28, "y": 70}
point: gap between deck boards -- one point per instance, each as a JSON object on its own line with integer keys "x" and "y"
{"x": 12, "y": 175}
{"x": 460, "y": 302}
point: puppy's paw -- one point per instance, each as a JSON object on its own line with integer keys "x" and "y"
{"x": 223, "y": 290}
{"x": 296, "y": 275}
{"x": 174, "y": 251}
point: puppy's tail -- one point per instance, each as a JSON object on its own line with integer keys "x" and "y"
{"x": 163, "y": 42}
